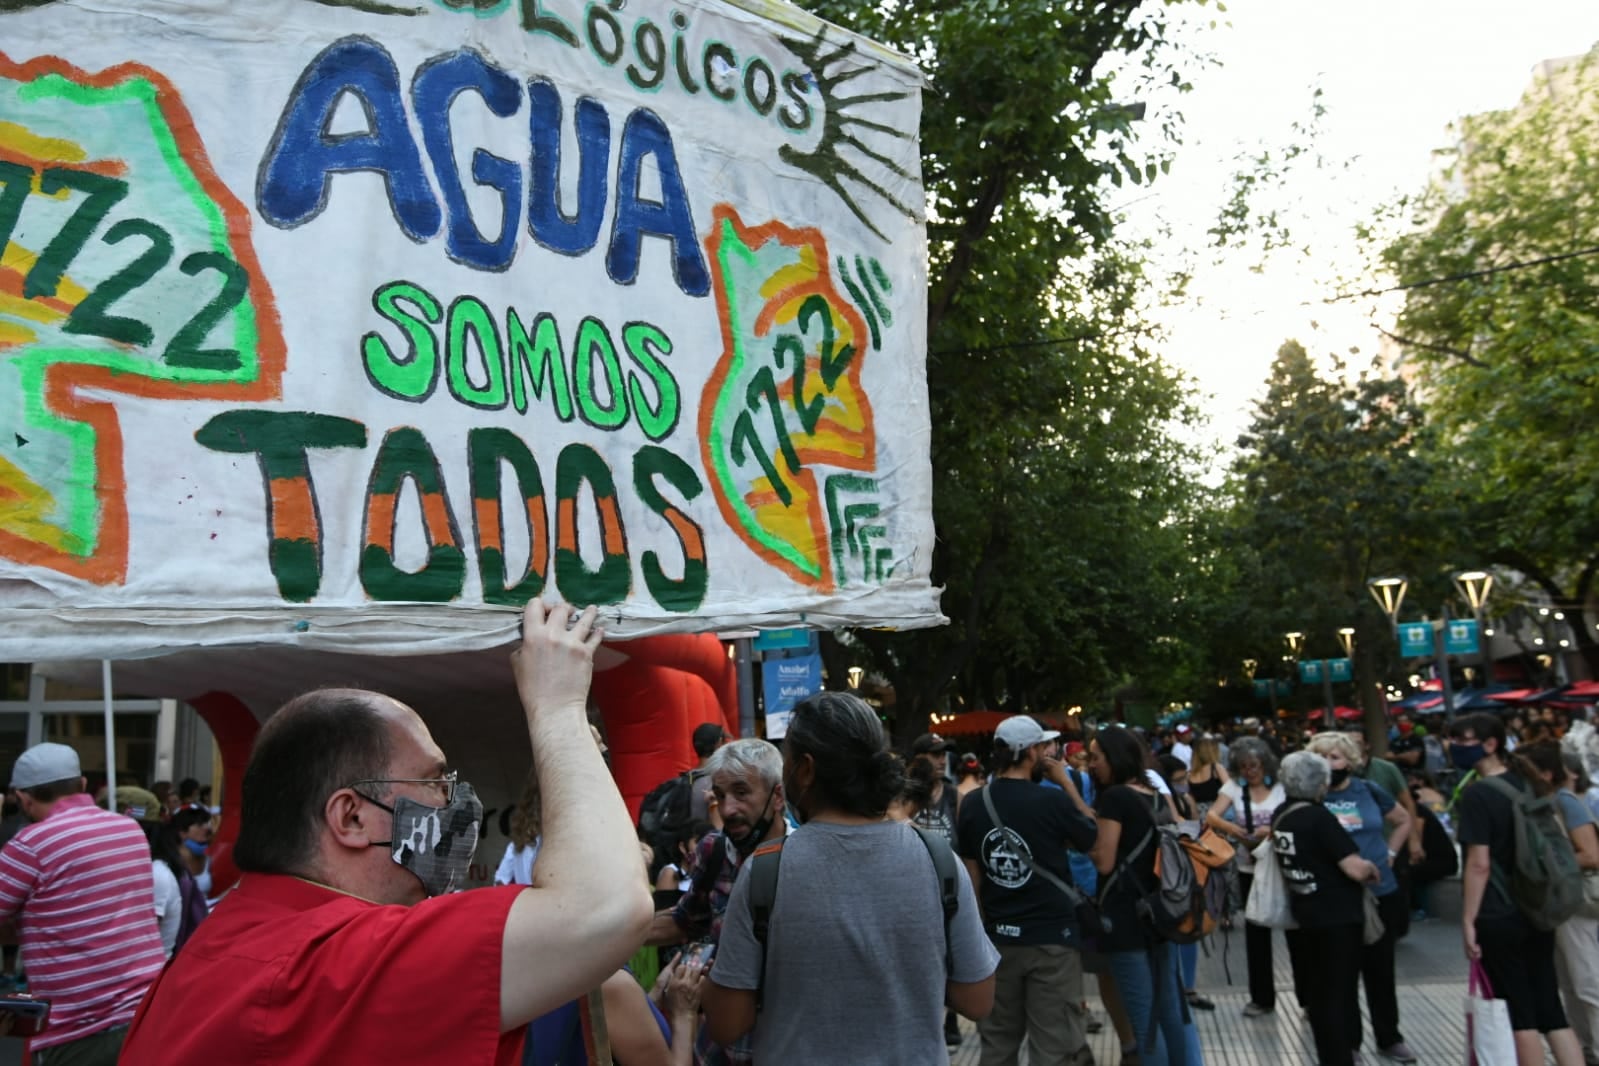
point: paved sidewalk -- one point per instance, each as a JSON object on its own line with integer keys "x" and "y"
{"x": 1432, "y": 989}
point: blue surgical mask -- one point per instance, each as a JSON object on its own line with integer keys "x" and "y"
{"x": 1465, "y": 756}
{"x": 196, "y": 846}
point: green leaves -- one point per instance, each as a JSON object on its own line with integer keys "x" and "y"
{"x": 1060, "y": 491}
{"x": 1500, "y": 324}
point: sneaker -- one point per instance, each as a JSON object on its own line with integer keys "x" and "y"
{"x": 1399, "y": 1052}
{"x": 1255, "y": 1010}
{"x": 1199, "y": 1002}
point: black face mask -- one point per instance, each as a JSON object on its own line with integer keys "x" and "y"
{"x": 759, "y": 828}
{"x": 1339, "y": 777}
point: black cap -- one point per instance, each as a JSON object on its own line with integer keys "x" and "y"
{"x": 707, "y": 738}
{"x": 931, "y": 744}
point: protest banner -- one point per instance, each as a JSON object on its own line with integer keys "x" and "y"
{"x": 349, "y": 324}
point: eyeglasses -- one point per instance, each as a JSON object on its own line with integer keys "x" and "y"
{"x": 445, "y": 784}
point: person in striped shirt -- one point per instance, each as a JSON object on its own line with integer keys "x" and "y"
{"x": 77, "y": 881}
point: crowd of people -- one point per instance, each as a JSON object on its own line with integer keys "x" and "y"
{"x": 822, "y": 899}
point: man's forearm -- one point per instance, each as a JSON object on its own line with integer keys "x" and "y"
{"x": 589, "y": 847}
{"x": 664, "y": 930}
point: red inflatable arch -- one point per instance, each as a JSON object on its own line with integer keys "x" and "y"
{"x": 652, "y": 702}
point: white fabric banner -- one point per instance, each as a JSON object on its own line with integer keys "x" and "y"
{"x": 357, "y": 324}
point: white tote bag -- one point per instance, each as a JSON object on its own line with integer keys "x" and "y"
{"x": 1489, "y": 1039}
{"x": 1268, "y": 895}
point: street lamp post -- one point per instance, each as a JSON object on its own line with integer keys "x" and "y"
{"x": 1389, "y": 592}
{"x": 1296, "y": 646}
{"x": 1475, "y": 586}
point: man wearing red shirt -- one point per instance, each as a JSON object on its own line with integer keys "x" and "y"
{"x": 343, "y": 942}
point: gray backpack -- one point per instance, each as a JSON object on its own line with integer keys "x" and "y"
{"x": 1545, "y": 882}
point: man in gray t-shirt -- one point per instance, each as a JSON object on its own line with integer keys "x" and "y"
{"x": 856, "y": 933}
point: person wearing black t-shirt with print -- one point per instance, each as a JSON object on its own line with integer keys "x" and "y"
{"x": 1028, "y": 898}
{"x": 1519, "y": 959}
{"x": 1325, "y": 877}
{"x": 1143, "y": 966}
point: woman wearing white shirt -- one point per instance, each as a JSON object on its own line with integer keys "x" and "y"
{"x": 164, "y": 866}
{"x": 1243, "y": 812}
{"x": 516, "y": 868}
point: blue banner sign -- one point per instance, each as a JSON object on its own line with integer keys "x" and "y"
{"x": 784, "y": 682}
{"x": 1460, "y": 638}
{"x": 1415, "y": 640}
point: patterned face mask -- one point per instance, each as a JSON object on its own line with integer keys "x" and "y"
{"x": 435, "y": 843}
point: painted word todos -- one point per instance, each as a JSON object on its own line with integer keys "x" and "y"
{"x": 282, "y": 442}
{"x": 293, "y": 185}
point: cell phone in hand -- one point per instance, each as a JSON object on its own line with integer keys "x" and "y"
{"x": 29, "y": 1015}
{"x": 704, "y": 955}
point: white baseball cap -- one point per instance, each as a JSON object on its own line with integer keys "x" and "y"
{"x": 1021, "y": 731}
{"x": 44, "y": 763}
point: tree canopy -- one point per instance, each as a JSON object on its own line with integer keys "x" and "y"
{"x": 1500, "y": 328}
{"x": 1056, "y": 473}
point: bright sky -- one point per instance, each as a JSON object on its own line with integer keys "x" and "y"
{"x": 1395, "y": 74}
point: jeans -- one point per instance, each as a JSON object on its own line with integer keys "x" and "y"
{"x": 1188, "y": 962}
{"x": 1175, "y": 1041}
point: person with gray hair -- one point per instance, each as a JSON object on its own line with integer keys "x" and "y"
{"x": 747, "y": 788}
{"x": 1243, "y": 811}
{"x": 1380, "y": 826}
{"x": 878, "y": 965}
{"x": 1324, "y": 874}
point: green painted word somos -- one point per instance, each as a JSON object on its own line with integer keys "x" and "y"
{"x": 586, "y": 379}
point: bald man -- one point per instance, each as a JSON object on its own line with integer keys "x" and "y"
{"x": 346, "y": 940}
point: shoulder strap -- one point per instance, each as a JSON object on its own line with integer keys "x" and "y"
{"x": 704, "y": 880}
{"x": 1496, "y": 874}
{"x": 948, "y": 886}
{"x": 1249, "y": 810}
{"x": 1073, "y": 894}
{"x": 1290, "y": 808}
{"x": 1503, "y": 787}
{"x": 763, "y": 894}
{"x": 1121, "y": 864}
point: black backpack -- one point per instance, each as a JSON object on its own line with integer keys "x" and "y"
{"x": 667, "y": 809}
